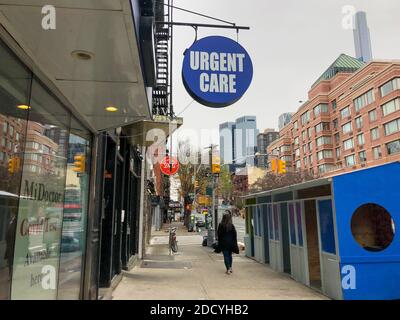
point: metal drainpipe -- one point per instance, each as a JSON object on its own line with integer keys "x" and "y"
{"x": 141, "y": 212}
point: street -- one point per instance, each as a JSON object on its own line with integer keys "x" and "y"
{"x": 197, "y": 273}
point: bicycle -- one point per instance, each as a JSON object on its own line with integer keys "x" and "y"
{"x": 173, "y": 243}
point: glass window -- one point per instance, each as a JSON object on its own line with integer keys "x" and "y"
{"x": 321, "y": 108}
{"x": 305, "y": 117}
{"x": 393, "y": 147}
{"x": 296, "y": 140}
{"x": 304, "y": 148}
{"x": 375, "y": 134}
{"x": 15, "y": 82}
{"x": 75, "y": 212}
{"x": 337, "y": 152}
{"x": 372, "y": 115}
{"x": 305, "y": 161}
{"x": 325, "y": 154}
{"x": 41, "y": 203}
{"x": 297, "y": 152}
{"x": 364, "y": 100}
{"x": 334, "y": 105}
{"x": 348, "y": 144}
{"x": 322, "y": 127}
{"x": 303, "y": 135}
{"x": 347, "y": 128}
{"x": 377, "y": 152}
{"x": 359, "y": 122}
{"x": 310, "y": 147}
{"x": 337, "y": 137}
{"x": 391, "y": 106}
{"x": 345, "y": 112}
{"x": 390, "y": 86}
{"x": 309, "y": 132}
{"x": 295, "y": 125}
{"x": 324, "y": 140}
{"x": 350, "y": 160}
{"x": 362, "y": 156}
{"x": 392, "y": 127}
{"x": 360, "y": 139}
{"x": 335, "y": 123}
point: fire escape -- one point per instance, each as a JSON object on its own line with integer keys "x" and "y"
{"x": 162, "y": 92}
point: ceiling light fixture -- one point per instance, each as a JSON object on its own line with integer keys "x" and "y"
{"x": 82, "y": 55}
{"x": 23, "y": 107}
{"x": 111, "y": 109}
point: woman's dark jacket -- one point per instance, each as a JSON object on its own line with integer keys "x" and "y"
{"x": 227, "y": 239}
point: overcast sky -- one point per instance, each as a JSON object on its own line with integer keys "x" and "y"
{"x": 291, "y": 43}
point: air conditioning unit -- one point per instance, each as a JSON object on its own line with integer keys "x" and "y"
{"x": 359, "y": 130}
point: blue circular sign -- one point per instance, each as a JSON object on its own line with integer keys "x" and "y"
{"x": 216, "y": 71}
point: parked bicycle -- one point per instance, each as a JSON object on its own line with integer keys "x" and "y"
{"x": 173, "y": 243}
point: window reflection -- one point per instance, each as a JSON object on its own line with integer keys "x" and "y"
{"x": 74, "y": 218}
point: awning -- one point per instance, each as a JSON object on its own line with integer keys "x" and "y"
{"x": 92, "y": 57}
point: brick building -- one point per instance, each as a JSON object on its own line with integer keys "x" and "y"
{"x": 351, "y": 120}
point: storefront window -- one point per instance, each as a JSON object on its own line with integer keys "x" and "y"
{"x": 37, "y": 241}
{"x": 75, "y": 213}
{"x": 15, "y": 82}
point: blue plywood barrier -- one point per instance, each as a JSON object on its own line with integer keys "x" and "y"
{"x": 368, "y": 274}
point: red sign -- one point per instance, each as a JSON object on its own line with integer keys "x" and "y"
{"x": 165, "y": 166}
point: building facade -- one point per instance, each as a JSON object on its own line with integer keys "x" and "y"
{"x": 263, "y": 141}
{"x": 351, "y": 120}
{"x": 74, "y": 201}
{"x": 284, "y": 119}
{"x": 246, "y": 140}
{"x": 362, "y": 38}
{"x": 227, "y": 142}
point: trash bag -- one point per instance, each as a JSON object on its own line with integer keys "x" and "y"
{"x": 204, "y": 242}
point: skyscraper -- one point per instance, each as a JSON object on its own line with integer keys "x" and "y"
{"x": 284, "y": 119}
{"x": 227, "y": 142}
{"x": 263, "y": 141}
{"x": 362, "y": 38}
{"x": 246, "y": 140}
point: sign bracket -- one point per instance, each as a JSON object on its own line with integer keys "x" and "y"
{"x": 203, "y": 25}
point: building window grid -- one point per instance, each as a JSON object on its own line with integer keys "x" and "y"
{"x": 391, "y": 127}
{"x": 364, "y": 100}
{"x": 376, "y": 151}
{"x": 347, "y": 128}
{"x": 393, "y": 147}
{"x": 389, "y": 87}
{"x": 391, "y": 106}
{"x": 348, "y": 144}
{"x": 345, "y": 112}
{"x": 372, "y": 115}
{"x": 374, "y": 134}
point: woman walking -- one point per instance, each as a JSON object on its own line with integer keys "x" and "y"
{"x": 227, "y": 240}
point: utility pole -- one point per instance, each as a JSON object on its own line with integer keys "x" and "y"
{"x": 212, "y": 231}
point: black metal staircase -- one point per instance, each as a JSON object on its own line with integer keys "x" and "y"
{"x": 162, "y": 90}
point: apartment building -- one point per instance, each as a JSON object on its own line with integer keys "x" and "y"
{"x": 351, "y": 120}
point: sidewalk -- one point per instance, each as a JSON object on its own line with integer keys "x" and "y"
{"x": 197, "y": 273}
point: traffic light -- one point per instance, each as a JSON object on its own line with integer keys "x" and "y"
{"x": 11, "y": 165}
{"x": 14, "y": 164}
{"x": 281, "y": 166}
{"x": 274, "y": 166}
{"x": 79, "y": 163}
